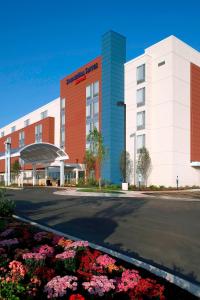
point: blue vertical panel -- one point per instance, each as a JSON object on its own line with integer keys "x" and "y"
{"x": 113, "y": 59}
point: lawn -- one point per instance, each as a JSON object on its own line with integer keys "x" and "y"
{"x": 97, "y": 190}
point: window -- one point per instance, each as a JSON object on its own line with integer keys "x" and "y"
{"x": 96, "y": 124}
{"x": 26, "y": 122}
{"x": 140, "y": 142}
{"x": 62, "y": 103}
{"x": 44, "y": 114}
{"x": 62, "y": 118}
{"x": 92, "y": 108}
{"x": 2, "y": 133}
{"x": 96, "y": 88}
{"x": 141, "y": 120}
{"x": 8, "y": 140}
{"x": 140, "y": 74}
{"x": 88, "y": 110}
{"x": 140, "y": 97}
{"x": 88, "y": 92}
{"x": 38, "y": 133}
{"x": 21, "y": 139}
{"x": 88, "y": 128}
{"x": 13, "y": 128}
{"x": 62, "y": 137}
{"x": 96, "y": 108}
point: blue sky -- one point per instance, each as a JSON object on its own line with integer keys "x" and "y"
{"x": 43, "y": 41}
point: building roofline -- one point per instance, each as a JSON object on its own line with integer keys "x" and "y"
{"x": 27, "y": 115}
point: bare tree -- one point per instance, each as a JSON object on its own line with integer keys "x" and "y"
{"x": 144, "y": 164}
{"x": 89, "y": 161}
{"x": 126, "y": 165}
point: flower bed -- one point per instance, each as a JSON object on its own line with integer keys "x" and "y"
{"x": 40, "y": 265}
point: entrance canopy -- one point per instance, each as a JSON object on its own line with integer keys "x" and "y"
{"x": 42, "y": 153}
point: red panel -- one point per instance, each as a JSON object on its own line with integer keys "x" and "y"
{"x": 75, "y": 95}
{"x": 195, "y": 113}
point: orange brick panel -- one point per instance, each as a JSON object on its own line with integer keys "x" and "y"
{"x": 195, "y": 113}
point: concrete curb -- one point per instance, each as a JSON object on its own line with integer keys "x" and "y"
{"x": 97, "y": 194}
{"x": 180, "y": 282}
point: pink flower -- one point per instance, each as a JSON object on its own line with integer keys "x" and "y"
{"x": 18, "y": 270}
{"x": 34, "y": 256}
{"x": 66, "y": 254}
{"x": 58, "y": 285}
{"x": 77, "y": 244}
{"x": 99, "y": 285}
{"x": 105, "y": 260}
{"x": 39, "y": 236}
{"x": 9, "y": 242}
{"x": 129, "y": 280}
{"x": 46, "y": 250}
{"x": 6, "y": 232}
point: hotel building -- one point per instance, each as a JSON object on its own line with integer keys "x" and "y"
{"x": 161, "y": 93}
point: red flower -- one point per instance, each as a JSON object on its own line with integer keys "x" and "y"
{"x": 87, "y": 261}
{"x": 76, "y": 297}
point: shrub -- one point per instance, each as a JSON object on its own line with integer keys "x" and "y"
{"x": 92, "y": 182}
{"x": 6, "y": 206}
{"x": 154, "y": 188}
{"x": 81, "y": 182}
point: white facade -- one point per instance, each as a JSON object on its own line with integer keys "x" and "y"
{"x": 51, "y": 109}
{"x": 167, "y": 111}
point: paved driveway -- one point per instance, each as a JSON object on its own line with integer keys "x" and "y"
{"x": 162, "y": 232}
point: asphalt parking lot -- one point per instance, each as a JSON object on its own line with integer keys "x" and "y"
{"x": 163, "y": 232}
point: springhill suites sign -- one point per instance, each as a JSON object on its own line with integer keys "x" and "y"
{"x": 82, "y": 74}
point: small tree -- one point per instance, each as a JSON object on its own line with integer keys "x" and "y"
{"x": 97, "y": 148}
{"x": 89, "y": 161}
{"x": 126, "y": 165}
{"x": 144, "y": 164}
{"x": 15, "y": 168}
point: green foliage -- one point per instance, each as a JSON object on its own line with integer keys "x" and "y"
{"x": 97, "y": 148}
{"x": 6, "y": 206}
{"x": 92, "y": 182}
{"x": 15, "y": 167}
{"x": 81, "y": 182}
{"x": 89, "y": 161}
{"x": 154, "y": 188}
{"x": 11, "y": 290}
{"x": 144, "y": 164}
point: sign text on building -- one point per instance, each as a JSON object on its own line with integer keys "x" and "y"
{"x": 82, "y": 73}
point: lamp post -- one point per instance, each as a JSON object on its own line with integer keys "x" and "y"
{"x": 135, "y": 149}
{"x": 7, "y": 162}
{"x": 122, "y": 104}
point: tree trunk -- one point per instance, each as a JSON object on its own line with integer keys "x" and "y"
{"x": 100, "y": 183}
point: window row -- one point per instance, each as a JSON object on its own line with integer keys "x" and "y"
{"x": 43, "y": 115}
{"x": 38, "y": 136}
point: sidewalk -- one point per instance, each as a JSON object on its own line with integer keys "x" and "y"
{"x": 123, "y": 194}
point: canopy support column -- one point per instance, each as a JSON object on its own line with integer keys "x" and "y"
{"x": 34, "y": 174}
{"x": 46, "y": 175}
{"x": 62, "y": 173}
{"x": 76, "y": 176}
